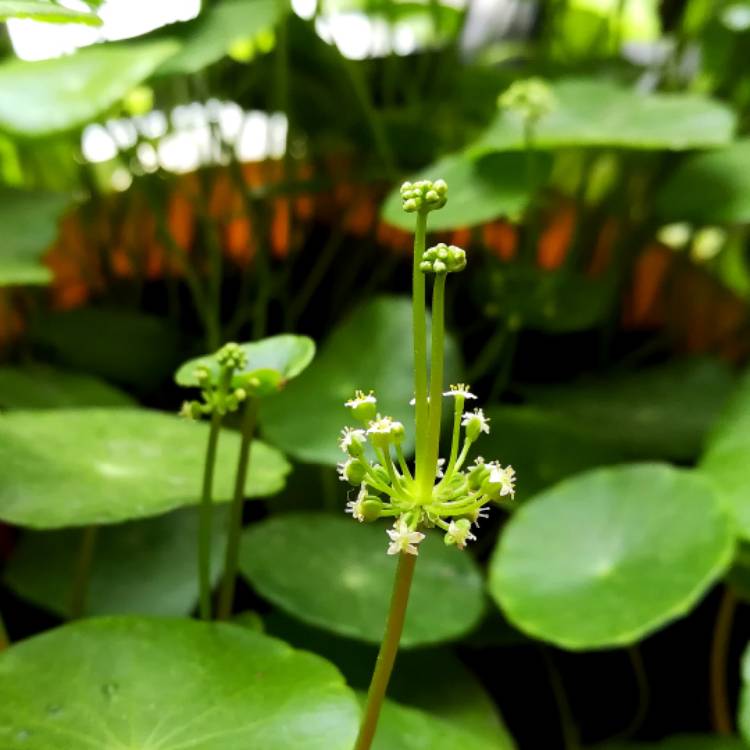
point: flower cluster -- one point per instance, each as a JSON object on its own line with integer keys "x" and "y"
{"x": 443, "y": 258}
{"x": 218, "y": 397}
{"x": 531, "y": 98}
{"x": 424, "y": 195}
{"x": 387, "y": 488}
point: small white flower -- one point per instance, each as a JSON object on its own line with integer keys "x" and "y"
{"x": 459, "y": 390}
{"x": 361, "y": 398}
{"x": 439, "y": 470}
{"x": 476, "y": 420}
{"x": 505, "y": 477}
{"x": 460, "y": 534}
{"x": 478, "y": 461}
{"x": 355, "y": 506}
{"x": 384, "y": 426}
{"x": 481, "y": 513}
{"x": 348, "y": 435}
{"x": 402, "y": 539}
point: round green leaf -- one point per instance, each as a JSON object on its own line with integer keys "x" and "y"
{"x": 272, "y": 362}
{"x": 335, "y": 573}
{"x": 46, "y": 11}
{"x": 725, "y": 460}
{"x": 145, "y": 567}
{"x": 601, "y": 113}
{"x": 370, "y": 350}
{"x": 29, "y": 220}
{"x": 478, "y": 191}
{"x": 95, "y": 466}
{"x": 208, "y": 38}
{"x": 169, "y": 685}
{"x": 49, "y": 96}
{"x": 710, "y": 188}
{"x": 42, "y": 387}
{"x": 607, "y": 557}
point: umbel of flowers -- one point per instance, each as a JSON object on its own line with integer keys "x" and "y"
{"x": 446, "y": 494}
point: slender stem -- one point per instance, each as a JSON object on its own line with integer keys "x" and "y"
{"x": 226, "y": 593}
{"x": 641, "y": 679}
{"x": 206, "y": 518}
{"x": 458, "y": 408}
{"x": 419, "y": 331}
{"x": 388, "y": 649}
{"x": 436, "y": 384}
{"x": 488, "y": 355}
{"x": 82, "y": 573}
{"x": 721, "y": 715}
{"x": 4, "y": 639}
{"x": 568, "y": 726}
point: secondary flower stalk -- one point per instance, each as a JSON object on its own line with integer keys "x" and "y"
{"x": 433, "y": 495}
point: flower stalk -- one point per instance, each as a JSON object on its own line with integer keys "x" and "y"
{"x": 82, "y": 572}
{"x": 425, "y": 498}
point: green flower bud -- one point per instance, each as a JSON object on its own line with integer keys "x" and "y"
{"x": 364, "y": 406}
{"x": 232, "y": 356}
{"x": 443, "y": 258}
{"x": 477, "y": 474}
{"x": 352, "y": 471}
{"x": 191, "y": 410}
{"x": 202, "y": 375}
{"x": 384, "y": 432}
{"x": 353, "y": 442}
{"x": 371, "y": 509}
{"x": 475, "y": 423}
{"x": 424, "y": 195}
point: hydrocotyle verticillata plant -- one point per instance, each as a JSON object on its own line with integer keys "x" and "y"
{"x": 436, "y": 495}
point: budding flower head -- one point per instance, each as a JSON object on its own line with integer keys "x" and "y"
{"x": 232, "y": 356}
{"x": 364, "y": 406}
{"x": 443, "y": 258}
{"x": 475, "y": 423}
{"x": 532, "y": 98}
{"x": 459, "y": 533}
{"x": 191, "y": 410}
{"x": 351, "y": 471}
{"x": 424, "y": 195}
{"x": 353, "y": 441}
{"x": 403, "y": 539}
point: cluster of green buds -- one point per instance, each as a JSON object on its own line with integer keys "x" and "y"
{"x": 387, "y": 487}
{"x": 424, "y": 195}
{"x": 218, "y": 397}
{"x": 531, "y": 98}
{"x": 443, "y": 258}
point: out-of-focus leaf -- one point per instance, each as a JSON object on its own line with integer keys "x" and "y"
{"x": 48, "y": 12}
{"x": 50, "y": 96}
{"x": 29, "y": 226}
{"x": 543, "y": 446}
{"x": 600, "y": 113}
{"x": 370, "y": 350}
{"x": 72, "y": 467}
{"x": 285, "y": 556}
{"x": 710, "y": 188}
{"x": 209, "y": 37}
{"x": 170, "y": 684}
{"x": 411, "y": 729}
{"x": 143, "y": 567}
{"x": 725, "y": 461}
{"x": 478, "y": 191}
{"x": 682, "y": 742}
{"x": 660, "y": 412}
{"x": 132, "y": 349}
{"x": 558, "y": 301}
{"x": 271, "y": 363}
{"x": 452, "y": 693}
{"x": 607, "y": 557}
{"x": 42, "y": 387}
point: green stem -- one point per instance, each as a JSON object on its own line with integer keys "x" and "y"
{"x": 721, "y": 714}
{"x": 419, "y": 337}
{"x": 206, "y": 518}
{"x": 82, "y": 573}
{"x": 436, "y": 384}
{"x": 388, "y": 650}
{"x": 226, "y": 593}
{"x": 458, "y": 408}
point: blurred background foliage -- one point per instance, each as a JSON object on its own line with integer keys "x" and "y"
{"x": 177, "y": 174}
